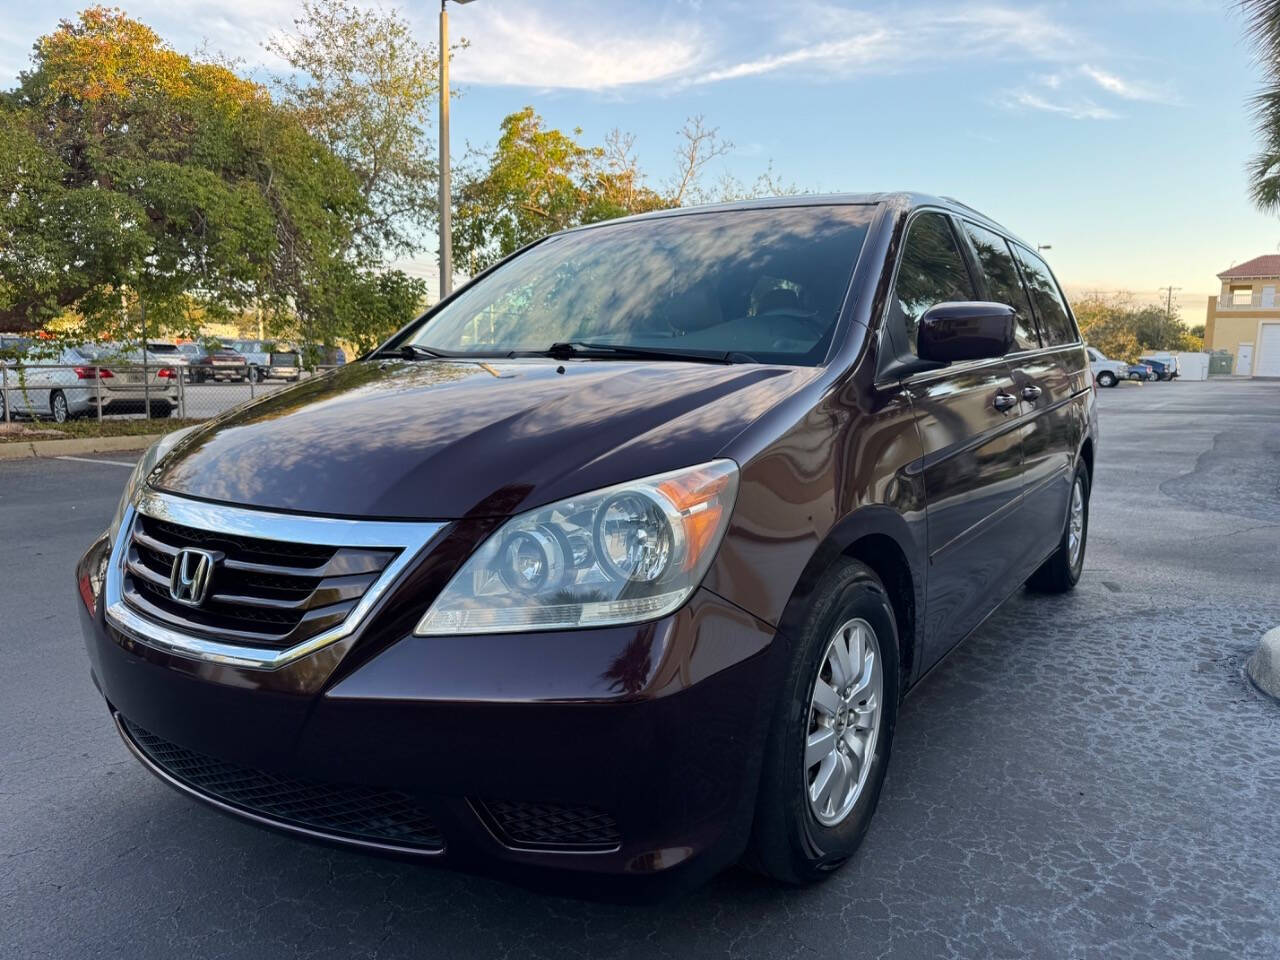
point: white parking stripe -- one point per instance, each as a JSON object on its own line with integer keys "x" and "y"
{"x": 114, "y": 463}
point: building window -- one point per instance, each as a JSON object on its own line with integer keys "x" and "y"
{"x": 1241, "y": 296}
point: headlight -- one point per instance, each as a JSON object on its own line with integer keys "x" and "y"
{"x": 619, "y": 555}
{"x": 146, "y": 463}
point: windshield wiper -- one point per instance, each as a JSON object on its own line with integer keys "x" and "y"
{"x": 567, "y": 349}
{"x": 414, "y": 351}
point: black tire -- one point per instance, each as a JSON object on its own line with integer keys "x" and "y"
{"x": 58, "y": 408}
{"x": 1059, "y": 573}
{"x": 788, "y": 841}
{"x": 1153, "y": 376}
{"x": 160, "y": 410}
{"x": 1136, "y": 378}
{"x": 1106, "y": 379}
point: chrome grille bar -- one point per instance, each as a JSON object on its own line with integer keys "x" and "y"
{"x": 329, "y": 600}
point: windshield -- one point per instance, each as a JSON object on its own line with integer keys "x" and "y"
{"x": 765, "y": 285}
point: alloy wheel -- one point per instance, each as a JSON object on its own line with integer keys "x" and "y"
{"x": 844, "y": 722}
{"x": 59, "y": 408}
{"x": 1075, "y": 524}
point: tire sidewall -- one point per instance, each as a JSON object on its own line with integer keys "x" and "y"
{"x": 1082, "y": 478}
{"x": 1107, "y": 379}
{"x": 54, "y": 406}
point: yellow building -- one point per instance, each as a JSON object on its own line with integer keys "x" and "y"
{"x": 1244, "y": 319}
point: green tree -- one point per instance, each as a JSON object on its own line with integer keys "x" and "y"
{"x": 1263, "y": 19}
{"x": 538, "y": 180}
{"x": 137, "y": 175}
{"x": 167, "y": 178}
{"x": 365, "y": 86}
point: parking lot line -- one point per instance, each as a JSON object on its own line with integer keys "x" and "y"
{"x": 114, "y": 463}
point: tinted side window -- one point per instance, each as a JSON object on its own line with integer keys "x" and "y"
{"x": 1003, "y": 283}
{"x": 1055, "y": 322}
{"x": 932, "y": 271}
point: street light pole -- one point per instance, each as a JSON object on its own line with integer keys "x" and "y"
{"x": 1043, "y": 246}
{"x": 446, "y": 216}
{"x": 446, "y": 226}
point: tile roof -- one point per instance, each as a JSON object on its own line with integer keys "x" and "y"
{"x": 1264, "y": 266}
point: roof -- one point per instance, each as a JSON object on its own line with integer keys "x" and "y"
{"x": 902, "y": 201}
{"x": 1267, "y": 265}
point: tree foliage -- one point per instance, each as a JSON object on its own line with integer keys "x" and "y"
{"x": 138, "y": 174}
{"x": 1123, "y": 330}
{"x": 538, "y": 180}
{"x": 1263, "y": 18}
{"x": 366, "y": 88}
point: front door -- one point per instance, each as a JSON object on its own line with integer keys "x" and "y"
{"x": 967, "y": 418}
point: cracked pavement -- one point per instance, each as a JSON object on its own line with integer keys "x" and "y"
{"x": 1087, "y": 776}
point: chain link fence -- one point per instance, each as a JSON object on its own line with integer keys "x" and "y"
{"x": 109, "y": 397}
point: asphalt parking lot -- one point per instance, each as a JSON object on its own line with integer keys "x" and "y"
{"x": 1088, "y": 776}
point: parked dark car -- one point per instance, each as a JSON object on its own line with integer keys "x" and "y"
{"x": 215, "y": 363}
{"x": 1162, "y": 367}
{"x": 615, "y": 566}
{"x": 1140, "y": 371}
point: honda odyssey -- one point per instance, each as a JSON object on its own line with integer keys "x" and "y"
{"x": 616, "y": 565}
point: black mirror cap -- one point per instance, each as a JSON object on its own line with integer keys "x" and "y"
{"x": 965, "y": 330}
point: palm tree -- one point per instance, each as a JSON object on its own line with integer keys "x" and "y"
{"x": 1263, "y": 19}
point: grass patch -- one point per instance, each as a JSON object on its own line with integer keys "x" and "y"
{"x": 25, "y": 431}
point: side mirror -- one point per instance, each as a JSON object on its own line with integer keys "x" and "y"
{"x": 968, "y": 330}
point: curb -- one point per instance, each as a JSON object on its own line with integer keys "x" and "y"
{"x": 1264, "y": 665}
{"x": 18, "y": 450}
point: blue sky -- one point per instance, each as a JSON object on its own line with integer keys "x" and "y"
{"x": 1116, "y": 131}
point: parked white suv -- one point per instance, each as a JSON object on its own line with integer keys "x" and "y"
{"x": 1106, "y": 372}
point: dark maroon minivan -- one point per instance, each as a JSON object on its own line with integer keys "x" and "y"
{"x": 615, "y": 566}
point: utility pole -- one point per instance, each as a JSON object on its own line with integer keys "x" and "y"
{"x": 1168, "y": 301}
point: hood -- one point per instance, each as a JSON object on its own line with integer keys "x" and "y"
{"x": 450, "y": 439}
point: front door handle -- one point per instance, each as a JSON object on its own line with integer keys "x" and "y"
{"x": 1005, "y": 401}
{"x": 1031, "y": 392}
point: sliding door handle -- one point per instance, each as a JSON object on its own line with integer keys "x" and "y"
{"x": 1005, "y": 401}
{"x": 1031, "y": 392}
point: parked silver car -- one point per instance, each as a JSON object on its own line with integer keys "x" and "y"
{"x": 70, "y": 383}
{"x": 266, "y": 362}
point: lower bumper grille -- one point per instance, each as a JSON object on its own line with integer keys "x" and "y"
{"x": 343, "y": 812}
{"x": 546, "y": 826}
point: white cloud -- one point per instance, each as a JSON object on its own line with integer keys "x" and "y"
{"x": 1125, "y": 89}
{"x": 570, "y": 49}
{"x": 1082, "y": 109}
{"x": 821, "y": 37}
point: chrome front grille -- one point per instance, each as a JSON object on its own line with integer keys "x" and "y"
{"x": 281, "y": 587}
{"x": 263, "y": 592}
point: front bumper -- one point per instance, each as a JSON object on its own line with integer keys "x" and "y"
{"x": 656, "y": 730}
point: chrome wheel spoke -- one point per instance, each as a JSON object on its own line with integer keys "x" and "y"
{"x": 865, "y": 679}
{"x": 824, "y": 782}
{"x": 825, "y": 700}
{"x": 821, "y": 743}
{"x": 865, "y": 716}
{"x": 841, "y": 661}
{"x": 856, "y": 752}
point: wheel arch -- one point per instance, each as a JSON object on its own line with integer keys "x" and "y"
{"x": 882, "y": 539}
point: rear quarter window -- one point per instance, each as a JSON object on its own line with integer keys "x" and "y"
{"x": 1056, "y": 325}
